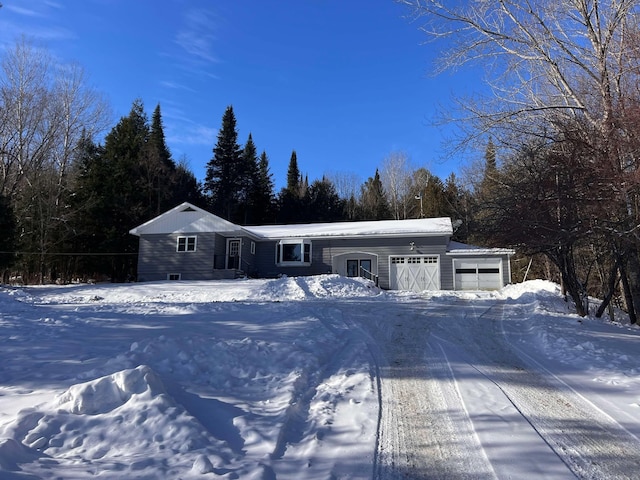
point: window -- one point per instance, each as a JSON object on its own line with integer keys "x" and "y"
{"x": 186, "y": 244}
{"x": 293, "y": 252}
{"x": 359, "y": 268}
{"x": 253, "y": 248}
{"x": 173, "y": 276}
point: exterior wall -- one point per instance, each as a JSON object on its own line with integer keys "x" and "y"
{"x": 324, "y": 250}
{"x": 158, "y": 257}
{"x": 219, "y": 252}
{"x": 248, "y": 259}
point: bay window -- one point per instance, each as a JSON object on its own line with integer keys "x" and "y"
{"x": 295, "y": 252}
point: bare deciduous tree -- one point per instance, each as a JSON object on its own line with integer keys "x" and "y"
{"x": 347, "y": 185}
{"x": 565, "y": 73}
{"x": 45, "y": 108}
{"x": 396, "y": 176}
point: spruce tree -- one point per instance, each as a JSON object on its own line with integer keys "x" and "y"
{"x": 293, "y": 175}
{"x": 490, "y": 170}
{"x": 322, "y": 203}
{"x": 221, "y": 180}
{"x": 159, "y": 167}
{"x": 263, "y": 200}
{"x": 248, "y": 181}
{"x": 374, "y": 204}
{"x": 115, "y": 185}
{"x": 290, "y": 200}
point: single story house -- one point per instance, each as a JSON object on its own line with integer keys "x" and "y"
{"x": 189, "y": 243}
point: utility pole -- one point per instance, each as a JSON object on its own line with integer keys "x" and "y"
{"x": 419, "y": 197}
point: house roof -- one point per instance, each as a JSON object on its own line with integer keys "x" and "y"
{"x": 379, "y": 228}
{"x": 185, "y": 218}
{"x": 457, "y": 248}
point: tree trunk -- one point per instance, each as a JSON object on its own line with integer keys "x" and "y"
{"x": 611, "y": 287}
{"x": 626, "y": 288}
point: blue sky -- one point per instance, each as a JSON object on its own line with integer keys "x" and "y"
{"x": 344, "y": 83}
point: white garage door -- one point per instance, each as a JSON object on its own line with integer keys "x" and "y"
{"x": 478, "y": 273}
{"x": 415, "y": 273}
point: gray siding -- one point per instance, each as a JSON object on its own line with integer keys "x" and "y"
{"x": 219, "y": 251}
{"x": 158, "y": 257}
{"x": 323, "y": 251}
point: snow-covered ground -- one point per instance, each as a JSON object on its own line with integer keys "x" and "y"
{"x": 315, "y": 377}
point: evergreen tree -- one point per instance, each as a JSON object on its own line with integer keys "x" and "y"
{"x": 322, "y": 202}
{"x": 291, "y": 199}
{"x": 160, "y": 167}
{"x": 8, "y": 236}
{"x": 294, "y": 179}
{"x": 264, "y": 198}
{"x": 186, "y": 187}
{"x": 113, "y": 187}
{"x": 373, "y": 203}
{"x": 248, "y": 182}
{"x": 490, "y": 170}
{"x": 222, "y": 180}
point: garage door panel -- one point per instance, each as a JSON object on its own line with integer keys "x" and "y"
{"x": 414, "y": 273}
{"x": 478, "y": 274}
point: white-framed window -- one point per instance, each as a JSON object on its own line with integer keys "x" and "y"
{"x": 174, "y": 276}
{"x": 186, "y": 244}
{"x": 293, "y": 252}
{"x": 253, "y": 248}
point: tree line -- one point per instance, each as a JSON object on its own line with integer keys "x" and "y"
{"x": 68, "y": 201}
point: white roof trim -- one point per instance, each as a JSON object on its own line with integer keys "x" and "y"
{"x": 462, "y": 249}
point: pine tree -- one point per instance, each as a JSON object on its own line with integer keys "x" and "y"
{"x": 221, "y": 180}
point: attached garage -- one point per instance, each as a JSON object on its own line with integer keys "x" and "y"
{"x": 478, "y": 273}
{"x": 415, "y": 273}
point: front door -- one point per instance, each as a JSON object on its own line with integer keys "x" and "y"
{"x": 233, "y": 254}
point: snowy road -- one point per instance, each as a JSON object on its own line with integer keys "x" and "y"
{"x": 459, "y": 402}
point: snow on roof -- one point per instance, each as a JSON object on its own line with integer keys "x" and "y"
{"x": 423, "y": 226}
{"x": 185, "y": 218}
{"x": 457, "y": 248}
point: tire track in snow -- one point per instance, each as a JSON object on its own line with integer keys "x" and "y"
{"x": 589, "y": 442}
{"x": 423, "y": 432}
